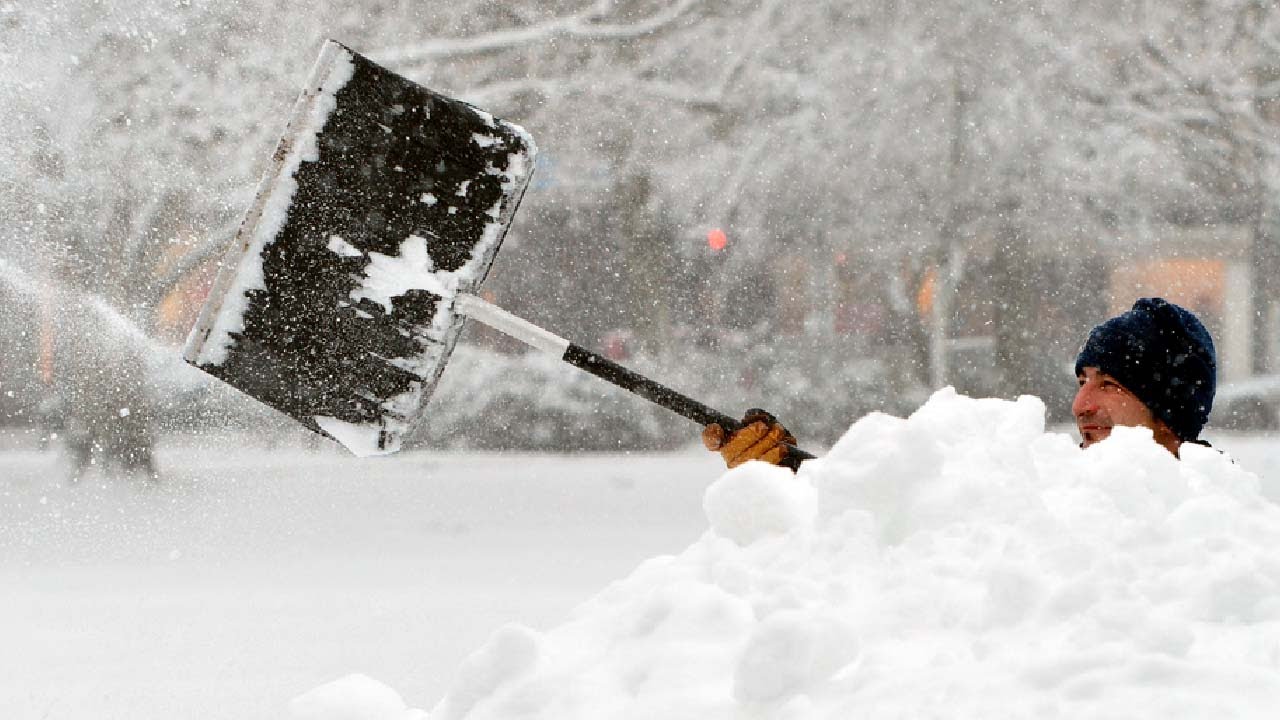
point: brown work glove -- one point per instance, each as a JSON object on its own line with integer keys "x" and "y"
{"x": 761, "y": 437}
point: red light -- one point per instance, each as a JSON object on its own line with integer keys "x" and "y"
{"x": 717, "y": 240}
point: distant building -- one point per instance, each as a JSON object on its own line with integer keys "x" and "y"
{"x": 1211, "y": 271}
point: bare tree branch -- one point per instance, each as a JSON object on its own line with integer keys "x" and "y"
{"x": 495, "y": 93}
{"x": 702, "y": 99}
{"x": 580, "y": 26}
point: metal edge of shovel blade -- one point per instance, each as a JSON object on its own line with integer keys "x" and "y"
{"x": 370, "y": 162}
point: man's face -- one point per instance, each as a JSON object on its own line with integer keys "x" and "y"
{"x": 1102, "y": 403}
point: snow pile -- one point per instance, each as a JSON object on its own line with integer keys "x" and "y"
{"x": 960, "y": 563}
{"x": 354, "y": 697}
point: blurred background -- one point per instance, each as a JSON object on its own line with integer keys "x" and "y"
{"x": 823, "y": 208}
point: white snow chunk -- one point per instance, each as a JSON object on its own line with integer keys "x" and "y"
{"x": 484, "y": 141}
{"x": 757, "y": 500}
{"x": 342, "y": 247}
{"x": 790, "y": 652}
{"x": 361, "y": 440}
{"x": 429, "y": 199}
{"x": 388, "y": 277}
{"x": 354, "y": 697}
{"x": 510, "y": 654}
{"x": 462, "y": 188}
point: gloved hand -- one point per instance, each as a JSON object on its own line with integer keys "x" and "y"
{"x": 761, "y": 437}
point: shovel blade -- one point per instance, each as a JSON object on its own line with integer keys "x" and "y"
{"x": 384, "y": 200}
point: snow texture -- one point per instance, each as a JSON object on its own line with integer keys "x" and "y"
{"x": 388, "y": 277}
{"x": 757, "y": 501}
{"x": 961, "y": 562}
{"x": 355, "y": 697}
{"x": 360, "y": 439}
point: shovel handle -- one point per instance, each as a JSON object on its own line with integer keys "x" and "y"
{"x": 634, "y": 382}
{"x": 605, "y": 369}
{"x": 660, "y": 394}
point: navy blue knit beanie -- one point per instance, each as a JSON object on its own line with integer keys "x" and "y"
{"x": 1162, "y": 354}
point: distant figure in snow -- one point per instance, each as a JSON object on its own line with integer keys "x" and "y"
{"x": 99, "y": 401}
{"x": 1154, "y": 366}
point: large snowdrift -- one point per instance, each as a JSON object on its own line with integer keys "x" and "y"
{"x": 959, "y": 563}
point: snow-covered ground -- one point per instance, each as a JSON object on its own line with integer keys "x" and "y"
{"x": 255, "y": 574}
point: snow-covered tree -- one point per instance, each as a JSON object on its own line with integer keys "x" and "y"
{"x": 1189, "y": 94}
{"x": 924, "y": 162}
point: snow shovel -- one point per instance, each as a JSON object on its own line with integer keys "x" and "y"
{"x": 348, "y": 282}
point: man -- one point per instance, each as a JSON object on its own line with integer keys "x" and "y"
{"x": 1154, "y": 366}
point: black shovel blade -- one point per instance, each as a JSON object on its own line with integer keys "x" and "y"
{"x": 384, "y": 200}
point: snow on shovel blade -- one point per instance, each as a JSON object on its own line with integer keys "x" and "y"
{"x": 335, "y": 302}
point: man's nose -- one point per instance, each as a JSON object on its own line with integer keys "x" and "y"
{"x": 1084, "y": 404}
